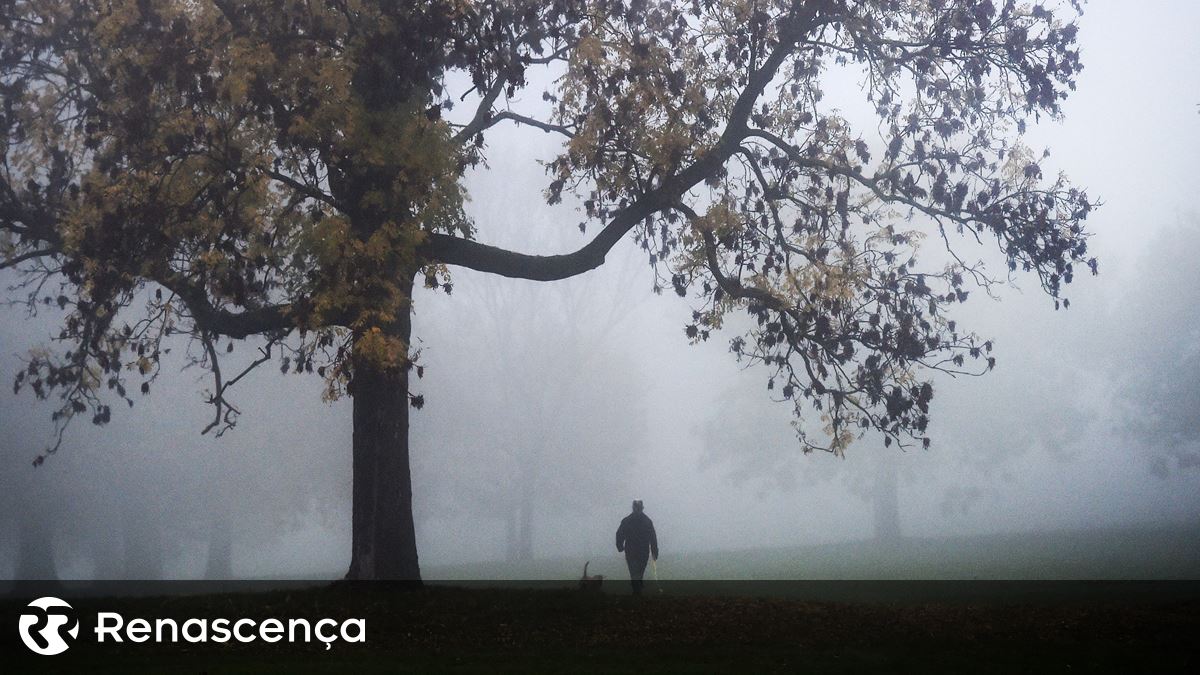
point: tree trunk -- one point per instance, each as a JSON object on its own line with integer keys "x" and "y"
{"x": 511, "y": 547}
{"x": 384, "y": 542}
{"x": 221, "y": 501}
{"x": 886, "y": 501}
{"x": 35, "y": 550}
{"x": 143, "y": 540}
{"x": 106, "y": 551}
{"x": 143, "y": 550}
{"x": 525, "y": 541}
{"x": 220, "y": 548}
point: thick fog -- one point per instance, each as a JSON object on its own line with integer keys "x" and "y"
{"x": 549, "y": 407}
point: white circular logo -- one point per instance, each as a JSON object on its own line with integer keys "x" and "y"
{"x": 43, "y": 624}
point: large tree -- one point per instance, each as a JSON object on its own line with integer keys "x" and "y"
{"x": 289, "y": 169}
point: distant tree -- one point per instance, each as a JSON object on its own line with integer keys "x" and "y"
{"x": 561, "y": 418}
{"x": 754, "y": 444}
{"x": 1156, "y": 361}
{"x": 290, "y": 169}
{"x": 141, "y": 503}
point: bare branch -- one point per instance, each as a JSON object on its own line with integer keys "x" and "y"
{"x": 523, "y": 119}
{"x": 17, "y": 260}
{"x": 226, "y": 414}
{"x": 302, "y": 188}
{"x": 483, "y": 114}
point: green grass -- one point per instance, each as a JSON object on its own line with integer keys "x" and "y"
{"x": 728, "y": 626}
{"x": 1120, "y": 553}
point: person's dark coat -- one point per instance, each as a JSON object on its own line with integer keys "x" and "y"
{"x": 636, "y": 537}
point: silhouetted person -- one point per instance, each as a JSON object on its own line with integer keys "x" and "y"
{"x": 637, "y": 539}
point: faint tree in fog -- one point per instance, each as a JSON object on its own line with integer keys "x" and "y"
{"x": 288, "y": 170}
{"x": 1049, "y": 407}
{"x": 148, "y": 498}
{"x": 561, "y": 417}
{"x": 1156, "y": 364}
{"x": 30, "y": 504}
{"x": 754, "y": 443}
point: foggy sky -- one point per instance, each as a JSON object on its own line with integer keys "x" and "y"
{"x": 1050, "y": 440}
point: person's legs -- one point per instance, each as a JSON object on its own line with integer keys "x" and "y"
{"x": 637, "y": 569}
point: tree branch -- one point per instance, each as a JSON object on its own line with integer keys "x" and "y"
{"x": 483, "y": 114}
{"x": 522, "y": 119}
{"x": 13, "y": 262}
{"x": 306, "y": 190}
{"x": 232, "y": 324}
{"x": 484, "y": 258}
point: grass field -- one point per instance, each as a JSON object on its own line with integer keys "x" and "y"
{"x": 729, "y": 626}
{"x": 1121, "y": 553}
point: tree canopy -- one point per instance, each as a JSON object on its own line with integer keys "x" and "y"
{"x": 287, "y": 168}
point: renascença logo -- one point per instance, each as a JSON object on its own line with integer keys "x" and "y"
{"x": 45, "y": 623}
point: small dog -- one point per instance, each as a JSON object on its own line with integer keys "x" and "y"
{"x": 590, "y": 583}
